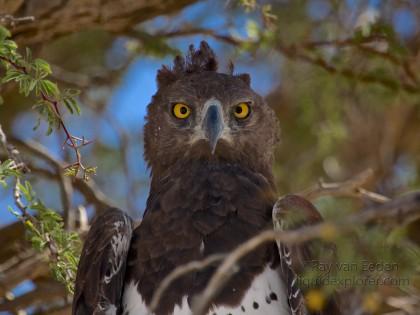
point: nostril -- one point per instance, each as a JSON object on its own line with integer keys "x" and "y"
{"x": 213, "y": 113}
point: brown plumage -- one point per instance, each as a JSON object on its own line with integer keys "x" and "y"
{"x": 212, "y": 189}
{"x": 196, "y": 197}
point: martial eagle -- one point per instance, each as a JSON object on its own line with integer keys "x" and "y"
{"x": 209, "y": 142}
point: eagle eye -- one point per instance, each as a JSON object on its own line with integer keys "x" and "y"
{"x": 181, "y": 111}
{"x": 241, "y": 111}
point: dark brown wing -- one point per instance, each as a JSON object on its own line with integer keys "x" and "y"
{"x": 292, "y": 212}
{"x": 101, "y": 270}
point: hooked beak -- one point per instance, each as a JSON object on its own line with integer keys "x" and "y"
{"x": 213, "y": 124}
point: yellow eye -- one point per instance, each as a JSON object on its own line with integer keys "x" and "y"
{"x": 181, "y": 111}
{"x": 241, "y": 111}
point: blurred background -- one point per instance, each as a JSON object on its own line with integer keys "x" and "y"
{"x": 342, "y": 76}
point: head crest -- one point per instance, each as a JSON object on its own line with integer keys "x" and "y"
{"x": 197, "y": 60}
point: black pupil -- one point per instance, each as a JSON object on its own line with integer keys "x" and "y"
{"x": 183, "y": 110}
{"x": 238, "y": 109}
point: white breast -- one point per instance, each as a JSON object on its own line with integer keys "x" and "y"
{"x": 267, "y": 295}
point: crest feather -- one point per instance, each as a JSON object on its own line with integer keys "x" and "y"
{"x": 197, "y": 60}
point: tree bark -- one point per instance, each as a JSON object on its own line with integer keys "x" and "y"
{"x": 55, "y": 18}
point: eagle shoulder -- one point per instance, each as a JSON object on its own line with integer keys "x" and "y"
{"x": 101, "y": 270}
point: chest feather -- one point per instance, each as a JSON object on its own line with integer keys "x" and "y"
{"x": 266, "y": 295}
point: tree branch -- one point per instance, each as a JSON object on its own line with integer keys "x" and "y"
{"x": 349, "y": 188}
{"x": 57, "y": 18}
{"x": 294, "y": 52}
{"x": 88, "y": 188}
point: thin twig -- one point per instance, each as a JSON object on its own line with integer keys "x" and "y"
{"x": 14, "y": 155}
{"x": 179, "y": 272}
{"x": 88, "y": 189}
{"x": 66, "y": 192}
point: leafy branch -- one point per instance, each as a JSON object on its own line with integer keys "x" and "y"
{"x": 44, "y": 226}
{"x": 31, "y": 77}
{"x": 46, "y": 232}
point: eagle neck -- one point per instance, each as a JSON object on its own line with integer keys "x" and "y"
{"x": 201, "y": 167}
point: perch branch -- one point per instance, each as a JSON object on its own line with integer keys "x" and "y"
{"x": 349, "y": 188}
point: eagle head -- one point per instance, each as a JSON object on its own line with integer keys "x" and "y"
{"x": 201, "y": 114}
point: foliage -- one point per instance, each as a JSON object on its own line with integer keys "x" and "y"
{"x": 7, "y": 169}
{"x": 44, "y": 226}
{"x": 31, "y": 76}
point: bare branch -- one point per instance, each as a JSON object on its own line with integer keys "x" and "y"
{"x": 55, "y": 19}
{"x": 349, "y": 188}
{"x": 12, "y": 152}
{"x": 66, "y": 191}
{"x": 31, "y": 266}
{"x": 39, "y": 296}
{"x": 10, "y": 20}
{"x": 14, "y": 155}
{"x": 294, "y": 52}
{"x": 89, "y": 189}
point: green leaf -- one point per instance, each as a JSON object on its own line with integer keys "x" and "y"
{"x": 10, "y": 45}
{"x": 7, "y": 169}
{"x": 49, "y": 88}
{"x": 71, "y": 105}
{"x": 13, "y": 75}
{"x": 71, "y": 171}
{"x": 32, "y": 84}
{"x": 68, "y": 103}
{"x": 12, "y": 211}
{"x": 4, "y": 33}
{"x": 252, "y": 29}
{"x": 42, "y": 68}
